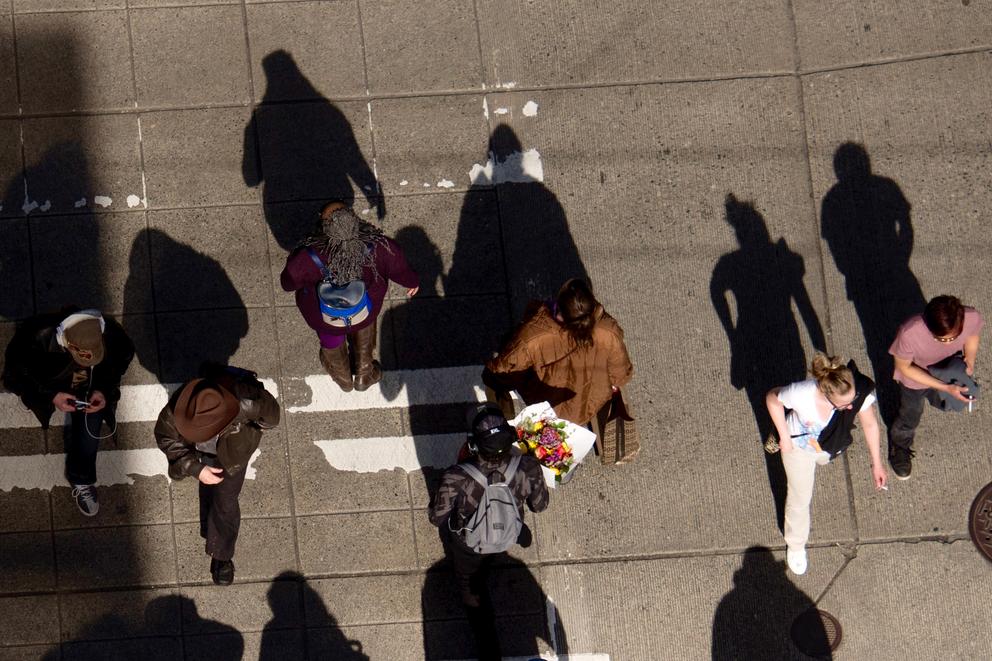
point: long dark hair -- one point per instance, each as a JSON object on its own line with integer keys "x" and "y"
{"x": 576, "y": 305}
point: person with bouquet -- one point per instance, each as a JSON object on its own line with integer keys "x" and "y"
{"x": 569, "y": 352}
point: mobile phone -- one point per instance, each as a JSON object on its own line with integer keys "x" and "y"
{"x": 80, "y": 404}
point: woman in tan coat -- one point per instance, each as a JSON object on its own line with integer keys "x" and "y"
{"x": 568, "y": 352}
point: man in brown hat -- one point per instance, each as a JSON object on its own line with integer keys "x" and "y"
{"x": 209, "y": 430}
{"x": 72, "y": 361}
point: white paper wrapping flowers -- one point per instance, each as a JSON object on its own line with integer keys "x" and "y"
{"x": 578, "y": 438}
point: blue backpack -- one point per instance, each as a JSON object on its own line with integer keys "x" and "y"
{"x": 341, "y": 306}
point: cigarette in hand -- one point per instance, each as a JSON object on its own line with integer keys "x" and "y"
{"x": 884, "y": 488}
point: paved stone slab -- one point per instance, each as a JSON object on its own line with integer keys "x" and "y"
{"x": 170, "y": 73}
{"x": 150, "y": 649}
{"x": 145, "y": 501}
{"x": 17, "y": 300}
{"x": 23, "y": 510}
{"x": 74, "y": 61}
{"x": 28, "y": 620}
{"x": 265, "y": 548}
{"x": 8, "y": 71}
{"x": 230, "y": 247}
{"x": 246, "y": 607}
{"x": 102, "y": 241}
{"x": 851, "y": 32}
{"x": 362, "y": 599}
{"x": 31, "y": 6}
{"x": 428, "y": 141}
{"x": 12, "y": 165}
{"x": 352, "y": 543}
{"x": 390, "y": 641}
{"x": 736, "y": 606}
{"x": 569, "y": 42}
{"x": 131, "y": 613}
{"x": 401, "y": 60}
{"x": 193, "y": 157}
{"x": 109, "y": 557}
{"x": 237, "y": 336}
{"x": 89, "y": 163}
{"x": 18, "y": 653}
{"x": 334, "y": 66}
{"x": 27, "y": 561}
{"x": 932, "y": 592}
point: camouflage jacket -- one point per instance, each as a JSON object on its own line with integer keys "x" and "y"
{"x": 458, "y": 496}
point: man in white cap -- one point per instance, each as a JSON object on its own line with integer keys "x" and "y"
{"x": 72, "y": 362}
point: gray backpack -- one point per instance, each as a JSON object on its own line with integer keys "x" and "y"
{"x": 496, "y": 524}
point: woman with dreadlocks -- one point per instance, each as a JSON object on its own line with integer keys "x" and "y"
{"x": 340, "y": 275}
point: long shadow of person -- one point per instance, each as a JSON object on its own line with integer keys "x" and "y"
{"x": 184, "y": 344}
{"x": 55, "y": 182}
{"x": 753, "y": 620}
{"x": 521, "y": 607}
{"x": 325, "y": 640}
{"x": 752, "y": 290}
{"x": 302, "y": 148}
{"x": 539, "y": 252}
{"x": 865, "y": 220}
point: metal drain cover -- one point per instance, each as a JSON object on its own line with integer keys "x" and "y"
{"x": 980, "y": 521}
{"x": 816, "y": 633}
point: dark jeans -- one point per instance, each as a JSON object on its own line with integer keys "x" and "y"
{"x": 472, "y": 578}
{"x": 220, "y": 515}
{"x": 82, "y": 442}
{"x": 911, "y": 403}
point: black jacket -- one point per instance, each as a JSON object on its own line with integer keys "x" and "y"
{"x": 836, "y": 436}
{"x": 258, "y": 411}
{"x": 37, "y": 368}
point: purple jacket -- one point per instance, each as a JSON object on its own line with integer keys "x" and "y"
{"x": 302, "y": 275}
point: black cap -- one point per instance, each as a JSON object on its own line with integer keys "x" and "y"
{"x": 491, "y": 433}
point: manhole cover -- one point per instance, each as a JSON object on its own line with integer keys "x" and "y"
{"x": 980, "y": 521}
{"x": 816, "y": 633}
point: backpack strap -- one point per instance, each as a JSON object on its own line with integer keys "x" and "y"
{"x": 474, "y": 473}
{"x": 511, "y": 470}
{"x": 320, "y": 264}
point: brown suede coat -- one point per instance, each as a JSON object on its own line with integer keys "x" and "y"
{"x": 542, "y": 363}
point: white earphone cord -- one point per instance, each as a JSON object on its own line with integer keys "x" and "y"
{"x": 86, "y": 424}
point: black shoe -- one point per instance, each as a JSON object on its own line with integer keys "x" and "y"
{"x": 901, "y": 460}
{"x": 86, "y": 500}
{"x": 222, "y": 571}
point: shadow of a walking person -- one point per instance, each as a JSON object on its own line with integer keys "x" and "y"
{"x": 281, "y": 635}
{"x": 754, "y": 619}
{"x": 752, "y": 290}
{"x": 302, "y": 148}
{"x": 186, "y": 281}
{"x": 519, "y": 608}
{"x": 538, "y": 248}
{"x": 865, "y": 220}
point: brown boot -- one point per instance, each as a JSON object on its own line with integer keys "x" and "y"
{"x": 336, "y": 362}
{"x": 367, "y": 371}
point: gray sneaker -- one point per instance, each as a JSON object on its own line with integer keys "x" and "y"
{"x": 86, "y": 499}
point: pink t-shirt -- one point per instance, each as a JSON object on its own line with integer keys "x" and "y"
{"x": 915, "y": 342}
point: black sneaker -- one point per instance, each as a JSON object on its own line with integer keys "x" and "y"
{"x": 901, "y": 461}
{"x": 86, "y": 499}
{"x": 222, "y": 571}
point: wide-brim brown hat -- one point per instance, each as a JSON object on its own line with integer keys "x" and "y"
{"x": 204, "y": 409}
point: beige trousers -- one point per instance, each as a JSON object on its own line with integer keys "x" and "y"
{"x": 800, "y": 468}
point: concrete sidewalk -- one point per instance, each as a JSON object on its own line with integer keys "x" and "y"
{"x": 158, "y": 160}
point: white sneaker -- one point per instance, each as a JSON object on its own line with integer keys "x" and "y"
{"x": 797, "y": 561}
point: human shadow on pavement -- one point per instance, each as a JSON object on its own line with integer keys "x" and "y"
{"x": 200, "y": 315}
{"x": 754, "y": 619}
{"x": 752, "y": 290}
{"x": 866, "y": 222}
{"x": 520, "y": 604}
{"x": 115, "y": 637}
{"x": 289, "y": 631}
{"x": 301, "y": 148}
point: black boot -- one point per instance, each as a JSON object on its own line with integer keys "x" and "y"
{"x": 222, "y": 571}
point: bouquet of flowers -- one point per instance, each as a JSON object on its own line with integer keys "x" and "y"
{"x": 557, "y": 444}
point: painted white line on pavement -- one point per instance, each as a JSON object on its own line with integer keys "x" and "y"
{"x": 138, "y": 403}
{"x": 548, "y": 656}
{"x": 400, "y": 388}
{"x": 410, "y": 453}
{"x": 47, "y": 471}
